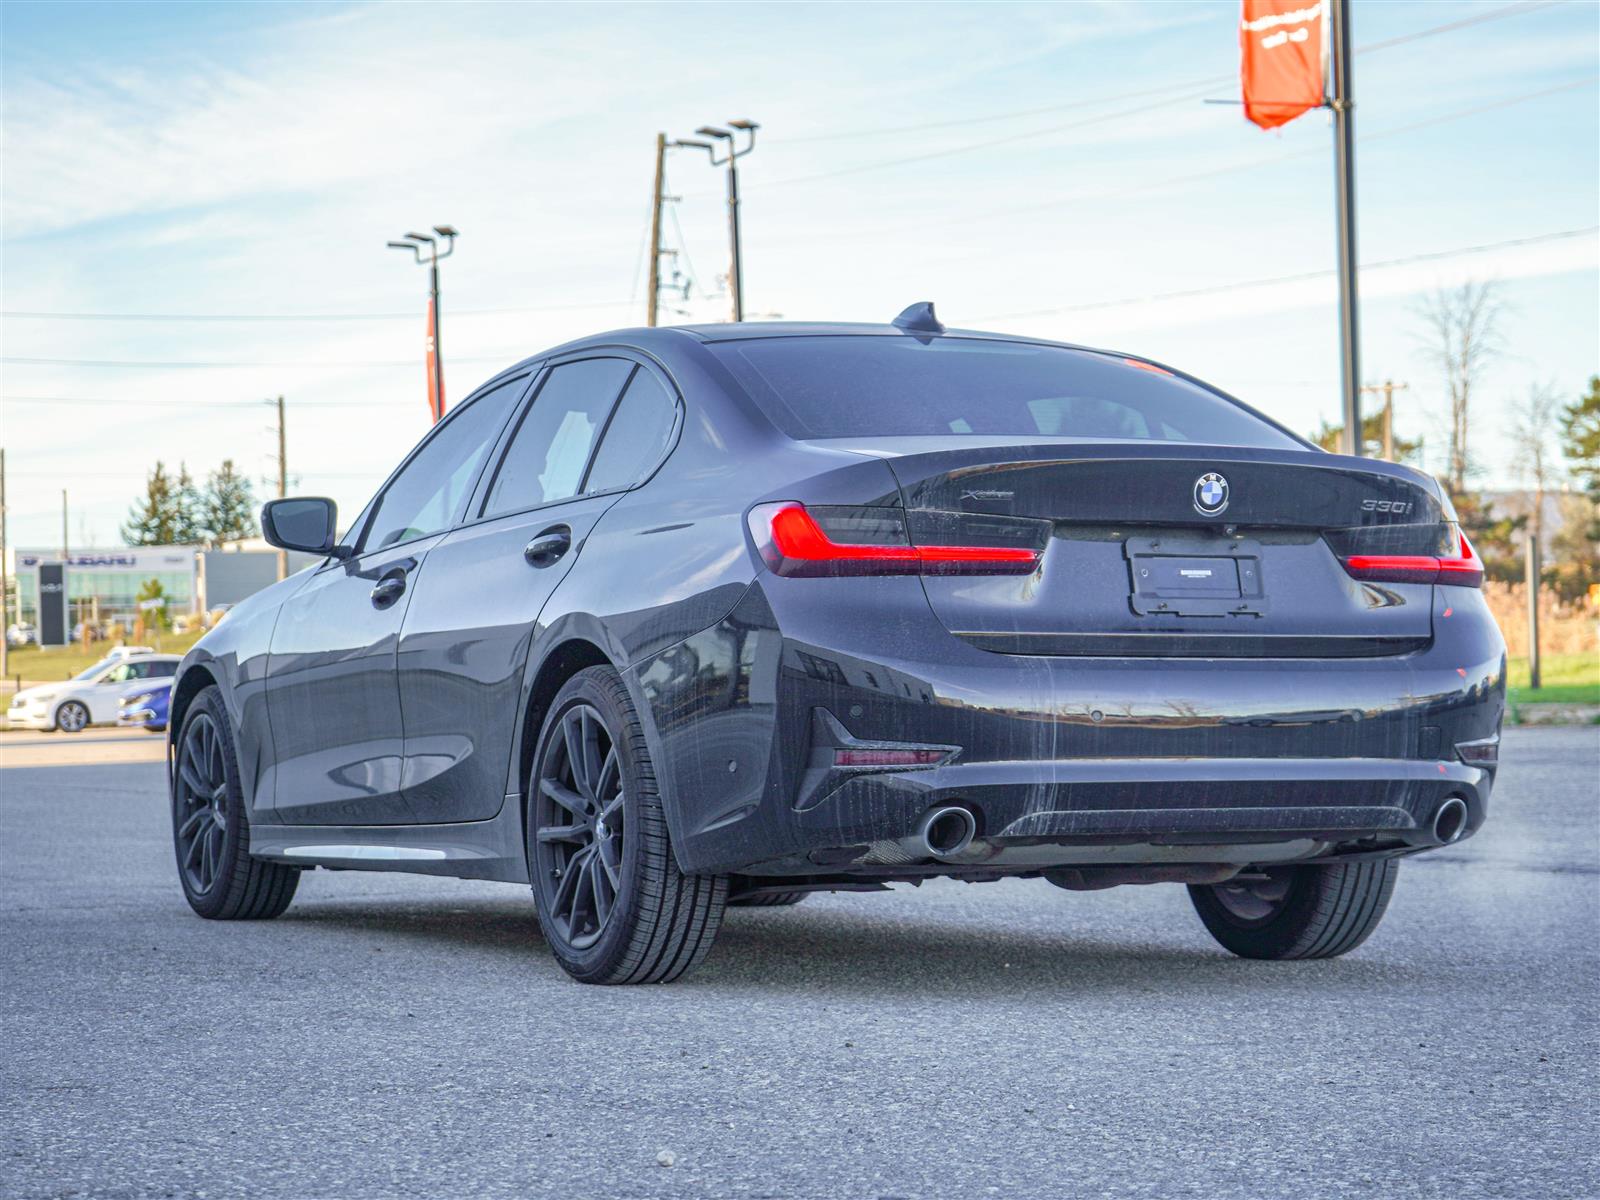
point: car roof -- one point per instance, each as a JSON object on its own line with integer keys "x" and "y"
{"x": 666, "y": 336}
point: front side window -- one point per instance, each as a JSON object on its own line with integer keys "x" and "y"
{"x": 874, "y": 386}
{"x": 426, "y": 495}
{"x": 548, "y": 453}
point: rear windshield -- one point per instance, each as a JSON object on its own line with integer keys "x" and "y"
{"x": 874, "y": 386}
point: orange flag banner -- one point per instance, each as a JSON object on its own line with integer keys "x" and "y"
{"x": 435, "y": 383}
{"x": 1283, "y": 48}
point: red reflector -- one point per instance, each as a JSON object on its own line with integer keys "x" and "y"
{"x": 867, "y": 756}
{"x": 1463, "y": 570}
{"x": 798, "y": 539}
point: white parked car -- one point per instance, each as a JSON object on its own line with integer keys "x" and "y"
{"x": 91, "y": 697}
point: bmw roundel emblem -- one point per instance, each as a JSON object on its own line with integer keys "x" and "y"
{"x": 1210, "y": 494}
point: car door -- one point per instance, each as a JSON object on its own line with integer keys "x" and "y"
{"x": 473, "y": 618}
{"x": 101, "y": 694}
{"x": 333, "y": 701}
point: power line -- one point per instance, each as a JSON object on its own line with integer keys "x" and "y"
{"x": 185, "y": 364}
{"x": 19, "y": 314}
{"x": 1115, "y": 98}
{"x": 1509, "y": 10}
{"x": 1249, "y": 164}
{"x": 1494, "y": 14}
{"x": 1301, "y": 277}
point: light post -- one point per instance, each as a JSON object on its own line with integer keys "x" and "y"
{"x": 730, "y": 156}
{"x": 415, "y": 242}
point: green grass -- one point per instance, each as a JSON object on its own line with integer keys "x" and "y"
{"x": 62, "y": 662}
{"x": 1566, "y": 679}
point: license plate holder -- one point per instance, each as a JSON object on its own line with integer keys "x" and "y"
{"x": 1195, "y": 577}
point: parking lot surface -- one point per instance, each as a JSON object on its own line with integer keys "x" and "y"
{"x": 399, "y": 1036}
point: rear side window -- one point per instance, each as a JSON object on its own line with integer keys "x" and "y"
{"x": 550, "y": 450}
{"x": 637, "y": 435}
{"x": 875, "y": 386}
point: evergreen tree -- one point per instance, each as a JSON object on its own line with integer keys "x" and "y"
{"x": 1406, "y": 450}
{"x": 155, "y": 519}
{"x": 189, "y": 531}
{"x": 228, "y": 507}
{"x": 1580, "y": 440}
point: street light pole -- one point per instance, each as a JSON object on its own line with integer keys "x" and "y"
{"x": 414, "y": 242}
{"x": 1344, "y": 156}
{"x": 731, "y": 158}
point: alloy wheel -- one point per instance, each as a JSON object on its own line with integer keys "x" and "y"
{"x": 579, "y": 826}
{"x": 1255, "y": 897}
{"x": 201, "y": 798}
{"x": 72, "y": 717}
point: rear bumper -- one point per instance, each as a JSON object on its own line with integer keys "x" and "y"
{"x": 1145, "y": 811}
{"x": 1061, "y": 759}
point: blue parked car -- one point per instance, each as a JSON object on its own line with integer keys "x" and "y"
{"x": 146, "y": 707}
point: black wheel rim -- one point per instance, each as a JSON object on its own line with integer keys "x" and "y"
{"x": 1255, "y": 898}
{"x": 578, "y": 826}
{"x": 73, "y": 717}
{"x": 200, "y": 803}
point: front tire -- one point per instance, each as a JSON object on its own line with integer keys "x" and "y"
{"x": 210, "y": 829}
{"x": 72, "y": 717}
{"x": 612, "y": 903}
{"x": 1298, "y": 912}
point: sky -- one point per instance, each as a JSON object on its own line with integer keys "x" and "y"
{"x": 1049, "y": 170}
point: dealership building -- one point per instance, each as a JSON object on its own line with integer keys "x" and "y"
{"x": 99, "y": 585}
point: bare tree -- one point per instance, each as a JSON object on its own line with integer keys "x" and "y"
{"x": 1531, "y": 430}
{"x": 1462, "y": 337}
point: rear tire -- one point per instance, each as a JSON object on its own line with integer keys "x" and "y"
{"x": 612, "y": 903}
{"x": 1299, "y": 912}
{"x": 210, "y": 829}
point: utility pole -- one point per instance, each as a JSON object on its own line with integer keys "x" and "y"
{"x": 653, "y": 302}
{"x": 730, "y": 159}
{"x": 414, "y": 242}
{"x": 1388, "y": 387}
{"x": 283, "y": 485}
{"x": 1344, "y": 157}
{"x": 5, "y": 583}
{"x": 63, "y": 525}
{"x": 1531, "y": 572}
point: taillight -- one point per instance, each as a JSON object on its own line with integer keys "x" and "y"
{"x": 797, "y": 541}
{"x": 1458, "y": 566}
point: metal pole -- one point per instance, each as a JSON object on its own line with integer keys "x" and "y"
{"x": 1532, "y": 572}
{"x": 63, "y": 525}
{"x": 283, "y": 484}
{"x": 653, "y": 301}
{"x": 735, "y": 271}
{"x": 438, "y": 346}
{"x": 1344, "y": 151}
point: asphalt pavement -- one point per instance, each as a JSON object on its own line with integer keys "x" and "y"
{"x": 399, "y": 1036}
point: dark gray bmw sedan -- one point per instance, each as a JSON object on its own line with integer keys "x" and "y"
{"x": 664, "y": 620}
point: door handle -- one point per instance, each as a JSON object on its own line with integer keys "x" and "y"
{"x": 388, "y": 591}
{"x": 549, "y": 546}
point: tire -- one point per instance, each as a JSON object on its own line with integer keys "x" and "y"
{"x": 1299, "y": 912}
{"x": 599, "y": 831}
{"x": 210, "y": 828}
{"x": 72, "y": 717}
{"x": 770, "y": 900}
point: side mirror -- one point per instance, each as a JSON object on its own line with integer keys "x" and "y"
{"x": 307, "y": 523}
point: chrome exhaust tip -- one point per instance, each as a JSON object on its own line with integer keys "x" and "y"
{"x": 947, "y": 831}
{"x": 1450, "y": 821}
